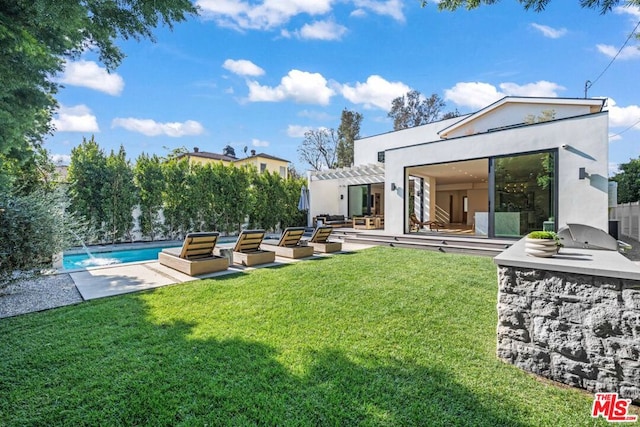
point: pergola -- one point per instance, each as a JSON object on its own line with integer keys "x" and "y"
{"x": 363, "y": 174}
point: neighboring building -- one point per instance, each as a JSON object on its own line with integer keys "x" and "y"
{"x": 261, "y": 161}
{"x": 519, "y": 164}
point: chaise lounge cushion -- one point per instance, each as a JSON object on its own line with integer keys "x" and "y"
{"x": 195, "y": 256}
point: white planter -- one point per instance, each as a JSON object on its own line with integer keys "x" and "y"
{"x": 543, "y": 248}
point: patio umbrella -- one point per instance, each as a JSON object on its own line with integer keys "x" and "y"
{"x": 303, "y": 202}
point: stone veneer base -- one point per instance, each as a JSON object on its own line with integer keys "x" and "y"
{"x": 579, "y": 325}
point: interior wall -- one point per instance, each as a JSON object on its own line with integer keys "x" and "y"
{"x": 478, "y": 202}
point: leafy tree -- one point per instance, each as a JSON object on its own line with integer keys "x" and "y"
{"x": 291, "y": 216}
{"x": 178, "y": 206}
{"x": 202, "y": 195}
{"x": 413, "y": 109}
{"x": 38, "y": 36}
{"x": 119, "y": 197}
{"x": 628, "y": 180}
{"x": 233, "y": 194}
{"x": 269, "y": 195}
{"x": 318, "y": 149}
{"x": 26, "y": 174}
{"x": 147, "y": 174}
{"x": 41, "y": 214}
{"x": 348, "y": 132}
{"x": 87, "y": 175}
{"x": 538, "y": 5}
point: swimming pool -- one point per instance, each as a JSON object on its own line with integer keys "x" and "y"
{"x": 98, "y": 258}
{"x": 83, "y": 260}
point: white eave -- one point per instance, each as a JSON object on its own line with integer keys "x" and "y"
{"x": 595, "y": 106}
{"x": 363, "y": 174}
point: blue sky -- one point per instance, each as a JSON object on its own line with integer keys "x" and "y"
{"x": 258, "y": 74}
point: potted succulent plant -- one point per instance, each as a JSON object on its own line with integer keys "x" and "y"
{"x": 543, "y": 244}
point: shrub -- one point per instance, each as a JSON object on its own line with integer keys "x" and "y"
{"x": 33, "y": 228}
{"x": 550, "y": 235}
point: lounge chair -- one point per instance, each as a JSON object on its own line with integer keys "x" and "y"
{"x": 195, "y": 256}
{"x": 289, "y": 244}
{"x": 319, "y": 242}
{"x": 247, "y": 249}
{"x": 415, "y": 222}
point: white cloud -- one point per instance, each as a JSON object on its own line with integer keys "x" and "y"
{"x": 75, "y": 119}
{"x": 270, "y": 14}
{"x": 477, "y": 95}
{"x": 614, "y": 168}
{"x": 552, "y": 33}
{"x": 322, "y": 30}
{"x": 474, "y": 95}
{"x": 264, "y": 16}
{"x": 152, "y": 128}
{"x": 257, "y": 143}
{"x": 358, "y": 13}
{"x": 542, "y": 88}
{"x": 297, "y": 131}
{"x": 298, "y": 86}
{"x": 623, "y": 116}
{"x": 243, "y": 67}
{"x": 634, "y": 11}
{"x": 392, "y": 8}
{"x": 60, "y": 159}
{"x": 627, "y": 52}
{"x": 375, "y": 92}
{"x": 91, "y": 75}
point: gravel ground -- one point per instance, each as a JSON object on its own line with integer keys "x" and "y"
{"x": 38, "y": 293}
{"x": 56, "y": 290}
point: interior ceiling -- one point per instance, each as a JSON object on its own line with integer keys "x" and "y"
{"x": 455, "y": 173}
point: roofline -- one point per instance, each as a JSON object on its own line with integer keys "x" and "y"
{"x": 594, "y": 102}
{"x": 414, "y": 127}
{"x": 264, "y": 155}
{"x": 442, "y": 140}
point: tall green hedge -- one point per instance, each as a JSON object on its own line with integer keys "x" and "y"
{"x": 175, "y": 196}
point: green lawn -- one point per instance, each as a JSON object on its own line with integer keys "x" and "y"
{"x": 379, "y": 337}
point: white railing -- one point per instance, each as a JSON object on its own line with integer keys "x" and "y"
{"x": 629, "y": 216}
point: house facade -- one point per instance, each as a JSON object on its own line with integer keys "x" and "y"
{"x": 261, "y": 161}
{"x": 517, "y": 165}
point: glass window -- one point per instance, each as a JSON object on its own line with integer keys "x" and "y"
{"x": 524, "y": 194}
{"x": 283, "y": 172}
{"x": 359, "y": 203}
{"x": 263, "y": 167}
{"x": 381, "y": 156}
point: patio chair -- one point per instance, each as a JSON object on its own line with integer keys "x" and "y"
{"x": 289, "y": 245}
{"x": 415, "y": 222}
{"x": 195, "y": 256}
{"x": 319, "y": 241}
{"x": 247, "y": 249}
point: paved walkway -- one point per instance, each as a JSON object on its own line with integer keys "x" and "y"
{"x": 107, "y": 281}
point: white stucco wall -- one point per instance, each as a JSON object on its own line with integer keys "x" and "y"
{"x": 580, "y": 201}
{"x": 513, "y": 114}
{"x": 365, "y": 151}
{"x": 324, "y": 198}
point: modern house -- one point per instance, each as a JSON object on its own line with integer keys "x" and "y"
{"x": 262, "y": 162}
{"x": 517, "y": 165}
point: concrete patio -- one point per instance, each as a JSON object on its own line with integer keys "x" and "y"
{"x": 100, "y": 282}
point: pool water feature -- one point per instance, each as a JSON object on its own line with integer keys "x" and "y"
{"x": 98, "y": 258}
{"x": 83, "y": 260}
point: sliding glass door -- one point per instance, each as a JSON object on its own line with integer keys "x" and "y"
{"x": 524, "y": 194}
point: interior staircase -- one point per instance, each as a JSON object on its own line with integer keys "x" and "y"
{"x": 441, "y": 242}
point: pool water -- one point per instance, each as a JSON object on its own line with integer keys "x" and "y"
{"x": 72, "y": 262}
